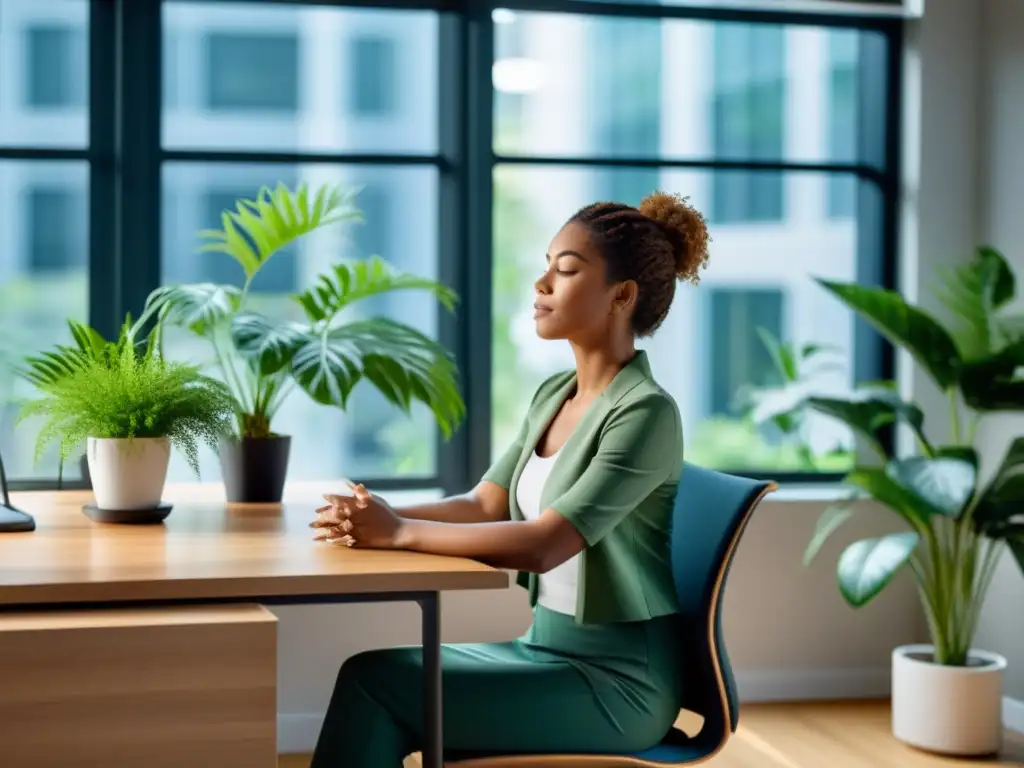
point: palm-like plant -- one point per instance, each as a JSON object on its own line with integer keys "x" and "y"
{"x": 796, "y": 368}
{"x": 262, "y": 358}
{"x": 957, "y": 527}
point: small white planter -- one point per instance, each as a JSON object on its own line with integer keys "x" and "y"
{"x": 948, "y": 710}
{"x": 128, "y": 474}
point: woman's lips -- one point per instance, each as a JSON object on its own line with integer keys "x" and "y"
{"x": 540, "y": 310}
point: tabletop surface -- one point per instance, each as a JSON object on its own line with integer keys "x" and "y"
{"x": 207, "y": 549}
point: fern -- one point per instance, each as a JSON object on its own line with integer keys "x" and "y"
{"x": 124, "y": 391}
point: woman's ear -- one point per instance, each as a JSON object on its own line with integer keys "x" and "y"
{"x": 626, "y": 294}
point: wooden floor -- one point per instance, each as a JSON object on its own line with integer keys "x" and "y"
{"x": 814, "y": 735}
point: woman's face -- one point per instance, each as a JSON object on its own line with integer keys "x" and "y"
{"x": 573, "y": 299}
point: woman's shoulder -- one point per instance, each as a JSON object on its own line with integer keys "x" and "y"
{"x": 650, "y": 405}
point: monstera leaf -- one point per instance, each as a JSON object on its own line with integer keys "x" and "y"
{"x": 904, "y": 325}
{"x": 402, "y": 363}
{"x": 199, "y": 307}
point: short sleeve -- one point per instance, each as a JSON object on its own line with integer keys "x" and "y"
{"x": 502, "y": 470}
{"x": 639, "y": 449}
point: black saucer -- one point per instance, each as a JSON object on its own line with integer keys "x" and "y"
{"x": 128, "y": 516}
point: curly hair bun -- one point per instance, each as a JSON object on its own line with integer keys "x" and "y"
{"x": 685, "y": 228}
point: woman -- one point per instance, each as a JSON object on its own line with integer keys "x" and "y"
{"x": 579, "y": 504}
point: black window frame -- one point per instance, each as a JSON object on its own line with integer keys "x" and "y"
{"x": 126, "y": 157}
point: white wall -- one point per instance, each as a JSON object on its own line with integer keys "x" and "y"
{"x": 1000, "y": 191}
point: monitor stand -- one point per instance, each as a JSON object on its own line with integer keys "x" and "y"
{"x": 12, "y": 520}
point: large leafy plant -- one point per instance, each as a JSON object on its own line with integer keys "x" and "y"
{"x": 123, "y": 389}
{"x": 956, "y": 526}
{"x": 261, "y": 358}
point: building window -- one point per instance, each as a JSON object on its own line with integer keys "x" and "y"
{"x": 53, "y": 78}
{"x": 278, "y": 275}
{"x": 749, "y": 96}
{"x": 373, "y": 77}
{"x": 842, "y": 120}
{"x": 52, "y": 245}
{"x": 738, "y": 358}
{"x": 252, "y": 71}
{"x": 624, "y": 103}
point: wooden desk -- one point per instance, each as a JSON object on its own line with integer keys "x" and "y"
{"x": 208, "y": 551}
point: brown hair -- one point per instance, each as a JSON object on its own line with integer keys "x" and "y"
{"x": 662, "y": 240}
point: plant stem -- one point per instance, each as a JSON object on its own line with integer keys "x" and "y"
{"x": 954, "y": 416}
{"x": 230, "y": 374}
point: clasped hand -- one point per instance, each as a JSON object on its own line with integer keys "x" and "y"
{"x": 361, "y": 520}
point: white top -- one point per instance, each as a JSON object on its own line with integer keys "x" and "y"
{"x": 556, "y": 589}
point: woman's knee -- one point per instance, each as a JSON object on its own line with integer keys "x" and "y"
{"x": 370, "y": 668}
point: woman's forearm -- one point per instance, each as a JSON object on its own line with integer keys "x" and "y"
{"x": 487, "y": 503}
{"x": 455, "y": 509}
{"x": 515, "y": 545}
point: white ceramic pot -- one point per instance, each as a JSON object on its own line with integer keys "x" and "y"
{"x": 128, "y": 474}
{"x": 948, "y": 710}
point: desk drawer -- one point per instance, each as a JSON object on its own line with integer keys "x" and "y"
{"x": 157, "y": 687}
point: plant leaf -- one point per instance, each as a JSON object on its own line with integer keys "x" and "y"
{"x": 885, "y": 489}
{"x": 905, "y": 326}
{"x": 781, "y": 354}
{"x": 972, "y": 293}
{"x": 402, "y": 363}
{"x": 831, "y": 519}
{"x": 198, "y": 307}
{"x": 866, "y": 567}
{"x": 267, "y": 345}
{"x": 870, "y": 410}
{"x": 992, "y": 383}
{"x": 945, "y": 483}
{"x": 1016, "y": 544}
{"x": 1003, "y": 497}
{"x": 349, "y": 282}
{"x": 257, "y": 229}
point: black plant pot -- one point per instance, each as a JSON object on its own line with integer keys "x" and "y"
{"x": 83, "y": 465}
{"x": 254, "y": 468}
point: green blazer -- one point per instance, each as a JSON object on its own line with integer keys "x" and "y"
{"x": 615, "y": 480}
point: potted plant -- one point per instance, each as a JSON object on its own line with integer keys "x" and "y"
{"x": 130, "y": 407}
{"x": 262, "y": 359}
{"x": 946, "y": 695}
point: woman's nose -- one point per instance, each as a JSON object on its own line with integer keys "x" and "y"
{"x": 542, "y": 285}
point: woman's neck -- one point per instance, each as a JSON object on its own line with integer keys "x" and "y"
{"x": 596, "y": 367}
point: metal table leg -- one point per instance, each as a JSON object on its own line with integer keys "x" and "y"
{"x": 433, "y": 745}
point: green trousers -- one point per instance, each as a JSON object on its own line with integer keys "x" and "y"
{"x": 562, "y": 687}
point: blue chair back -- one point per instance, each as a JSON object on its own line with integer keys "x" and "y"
{"x": 711, "y": 511}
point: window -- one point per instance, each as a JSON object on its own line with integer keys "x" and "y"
{"x": 842, "y": 119}
{"x": 43, "y": 282}
{"x": 621, "y": 99}
{"x": 372, "y": 77}
{"x": 50, "y": 214}
{"x": 53, "y": 77}
{"x": 738, "y": 115}
{"x": 624, "y": 101}
{"x": 283, "y": 77}
{"x": 749, "y": 87}
{"x": 736, "y": 355}
{"x": 252, "y": 71}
